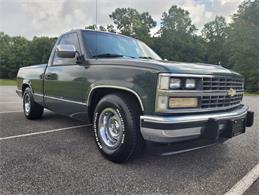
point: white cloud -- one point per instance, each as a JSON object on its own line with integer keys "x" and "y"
{"x": 198, "y": 13}
{"x": 225, "y": 8}
{"x": 53, "y": 17}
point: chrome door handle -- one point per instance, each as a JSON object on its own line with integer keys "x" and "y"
{"x": 47, "y": 76}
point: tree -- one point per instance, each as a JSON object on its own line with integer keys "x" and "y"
{"x": 40, "y": 49}
{"x": 16, "y": 52}
{"x": 102, "y": 28}
{"x": 132, "y": 23}
{"x": 111, "y": 28}
{"x": 177, "y": 20}
{"x": 242, "y": 43}
{"x": 92, "y": 27}
{"x": 177, "y": 39}
{"x": 215, "y": 34}
{"x": 13, "y": 54}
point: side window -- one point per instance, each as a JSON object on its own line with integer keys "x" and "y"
{"x": 71, "y": 39}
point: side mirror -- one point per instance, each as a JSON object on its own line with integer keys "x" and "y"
{"x": 66, "y": 51}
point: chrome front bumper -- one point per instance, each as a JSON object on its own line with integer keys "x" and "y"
{"x": 169, "y": 129}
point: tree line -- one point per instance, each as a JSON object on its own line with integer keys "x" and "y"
{"x": 234, "y": 45}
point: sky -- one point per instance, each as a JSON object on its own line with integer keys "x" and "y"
{"x": 31, "y": 18}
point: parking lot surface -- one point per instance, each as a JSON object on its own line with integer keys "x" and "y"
{"x": 67, "y": 161}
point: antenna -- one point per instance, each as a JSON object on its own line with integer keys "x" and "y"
{"x": 96, "y": 23}
{"x": 96, "y": 13}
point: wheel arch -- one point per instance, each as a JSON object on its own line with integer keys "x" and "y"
{"x": 98, "y": 92}
{"x": 25, "y": 85}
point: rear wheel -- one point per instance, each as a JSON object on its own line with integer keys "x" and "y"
{"x": 31, "y": 109}
{"x": 117, "y": 129}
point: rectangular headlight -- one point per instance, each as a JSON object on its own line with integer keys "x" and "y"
{"x": 190, "y": 83}
{"x": 183, "y": 102}
{"x": 175, "y": 83}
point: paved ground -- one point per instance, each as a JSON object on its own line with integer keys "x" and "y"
{"x": 67, "y": 162}
{"x": 253, "y": 189}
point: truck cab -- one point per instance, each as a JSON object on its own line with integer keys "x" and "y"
{"x": 132, "y": 97}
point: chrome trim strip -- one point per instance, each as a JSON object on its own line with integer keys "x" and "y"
{"x": 192, "y": 110}
{"x": 198, "y": 75}
{"x": 196, "y": 118}
{"x": 165, "y": 136}
{"x": 115, "y": 87}
{"x": 65, "y": 100}
{"x": 37, "y": 94}
{"x": 181, "y": 132}
{"x": 194, "y": 93}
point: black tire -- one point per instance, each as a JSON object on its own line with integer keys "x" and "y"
{"x": 34, "y": 111}
{"x": 127, "y": 110}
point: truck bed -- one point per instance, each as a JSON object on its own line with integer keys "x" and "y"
{"x": 34, "y": 74}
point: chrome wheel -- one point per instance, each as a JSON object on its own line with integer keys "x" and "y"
{"x": 27, "y": 103}
{"x": 110, "y": 127}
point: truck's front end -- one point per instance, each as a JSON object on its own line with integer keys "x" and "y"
{"x": 197, "y": 108}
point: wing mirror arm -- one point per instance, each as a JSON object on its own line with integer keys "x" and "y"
{"x": 81, "y": 60}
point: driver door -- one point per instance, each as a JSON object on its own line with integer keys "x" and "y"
{"x": 63, "y": 82}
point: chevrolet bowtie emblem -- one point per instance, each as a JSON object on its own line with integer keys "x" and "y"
{"x": 231, "y": 92}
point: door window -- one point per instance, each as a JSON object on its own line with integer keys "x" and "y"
{"x": 71, "y": 39}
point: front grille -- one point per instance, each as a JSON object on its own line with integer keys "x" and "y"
{"x": 220, "y": 101}
{"x": 222, "y": 83}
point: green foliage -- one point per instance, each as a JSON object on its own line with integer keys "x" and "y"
{"x": 215, "y": 34}
{"x": 102, "y": 28}
{"x": 16, "y": 52}
{"x": 177, "y": 20}
{"x": 40, "y": 49}
{"x": 111, "y": 28}
{"x": 132, "y": 23}
{"x": 242, "y": 43}
{"x": 91, "y": 27}
{"x": 177, "y": 40}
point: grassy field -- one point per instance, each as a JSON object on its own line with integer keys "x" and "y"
{"x": 7, "y": 82}
{"x": 251, "y": 93}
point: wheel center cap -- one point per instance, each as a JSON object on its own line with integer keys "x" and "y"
{"x": 114, "y": 128}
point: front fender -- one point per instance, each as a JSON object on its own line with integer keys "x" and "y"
{"x": 142, "y": 83}
{"x": 115, "y": 87}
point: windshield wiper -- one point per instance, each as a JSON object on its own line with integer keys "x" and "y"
{"x": 145, "y": 57}
{"x": 110, "y": 55}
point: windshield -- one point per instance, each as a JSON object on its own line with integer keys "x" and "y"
{"x": 101, "y": 44}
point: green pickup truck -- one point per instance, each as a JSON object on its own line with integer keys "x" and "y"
{"x": 132, "y": 97}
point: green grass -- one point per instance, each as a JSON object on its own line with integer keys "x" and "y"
{"x": 7, "y": 82}
{"x": 251, "y": 93}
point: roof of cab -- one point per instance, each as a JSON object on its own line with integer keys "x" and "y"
{"x": 90, "y": 30}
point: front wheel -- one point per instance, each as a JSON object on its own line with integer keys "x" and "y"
{"x": 117, "y": 127}
{"x": 31, "y": 109}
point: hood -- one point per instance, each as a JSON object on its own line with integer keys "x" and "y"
{"x": 169, "y": 66}
{"x": 196, "y": 68}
